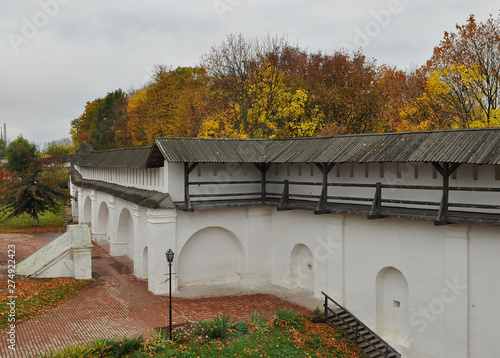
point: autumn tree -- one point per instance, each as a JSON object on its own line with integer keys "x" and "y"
{"x": 58, "y": 148}
{"x": 110, "y": 120}
{"x": 173, "y": 104}
{"x": 392, "y": 86}
{"x": 20, "y": 154}
{"x": 83, "y": 126}
{"x": 254, "y": 93}
{"x": 230, "y": 66}
{"x": 460, "y": 84}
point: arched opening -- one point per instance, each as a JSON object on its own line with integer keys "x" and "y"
{"x": 392, "y": 304}
{"x": 102, "y": 221}
{"x": 126, "y": 232}
{"x": 302, "y": 268}
{"x": 212, "y": 255}
{"x": 87, "y": 211}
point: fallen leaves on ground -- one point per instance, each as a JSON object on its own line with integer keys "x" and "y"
{"x": 34, "y": 296}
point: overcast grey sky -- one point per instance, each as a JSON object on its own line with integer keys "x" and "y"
{"x": 58, "y": 54}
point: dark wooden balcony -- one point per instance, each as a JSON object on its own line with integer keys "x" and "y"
{"x": 376, "y": 206}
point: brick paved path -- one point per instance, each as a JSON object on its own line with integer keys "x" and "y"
{"x": 117, "y": 304}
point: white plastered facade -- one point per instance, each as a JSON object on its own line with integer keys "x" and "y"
{"x": 431, "y": 291}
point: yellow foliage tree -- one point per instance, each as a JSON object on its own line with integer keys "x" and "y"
{"x": 275, "y": 110}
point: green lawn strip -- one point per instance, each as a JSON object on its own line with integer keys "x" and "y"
{"x": 277, "y": 338}
{"x": 276, "y": 342}
{"x": 48, "y": 222}
{"x": 34, "y": 297}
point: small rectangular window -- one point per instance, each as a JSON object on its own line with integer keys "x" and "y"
{"x": 475, "y": 170}
{"x": 338, "y": 170}
{"x": 367, "y": 170}
{"x": 381, "y": 170}
{"x": 497, "y": 172}
{"x": 396, "y": 304}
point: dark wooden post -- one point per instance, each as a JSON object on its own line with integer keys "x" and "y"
{"x": 443, "y": 209}
{"x": 263, "y": 168}
{"x": 445, "y": 171}
{"x": 187, "y": 200}
{"x": 325, "y": 168}
{"x": 284, "y": 196}
{"x": 377, "y": 202}
{"x": 187, "y": 170}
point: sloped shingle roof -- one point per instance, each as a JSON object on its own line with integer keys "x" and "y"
{"x": 145, "y": 198}
{"x": 474, "y": 146}
{"x": 116, "y": 158}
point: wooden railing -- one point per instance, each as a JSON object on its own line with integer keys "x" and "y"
{"x": 379, "y": 206}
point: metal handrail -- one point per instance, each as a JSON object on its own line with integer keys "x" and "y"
{"x": 358, "y": 322}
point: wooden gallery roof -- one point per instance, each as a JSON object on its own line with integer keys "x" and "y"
{"x": 473, "y": 146}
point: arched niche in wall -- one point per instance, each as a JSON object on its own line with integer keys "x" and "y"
{"x": 103, "y": 220}
{"x": 212, "y": 255}
{"x": 392, "y": 304}
{"x": 302, "y": 268}
{"x": 126, "y": 231}
{"x": 87, "y": 211}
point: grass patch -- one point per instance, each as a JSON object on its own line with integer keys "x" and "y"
{"x": 34, "y": 297}
{"x": 48, "y": 222}
{"x": 287, "y": 334}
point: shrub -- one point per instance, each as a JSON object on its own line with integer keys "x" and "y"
{"x": 220, "y": 326}
{"x": 157, "y": 343}
{"x": 287, "y": 317}
{"x": 317, "y": 316}
{"x": 186, "y": 333}
{"x": 116, "y": 348}
{"x": 241, "y": 327}
{"x": 258, "y": 319}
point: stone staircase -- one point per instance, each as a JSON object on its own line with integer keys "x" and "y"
{"x": 363, "y": 337}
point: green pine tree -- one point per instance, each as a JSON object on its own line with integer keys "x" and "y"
{"x": 32, "y": 192}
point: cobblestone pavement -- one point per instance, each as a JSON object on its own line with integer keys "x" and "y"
{"x": 118, "y": 304}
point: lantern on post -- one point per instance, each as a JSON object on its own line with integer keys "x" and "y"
{"x": 170, "y": 258}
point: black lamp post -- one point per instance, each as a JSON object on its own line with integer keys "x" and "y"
{"x": 170, "y": 259}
